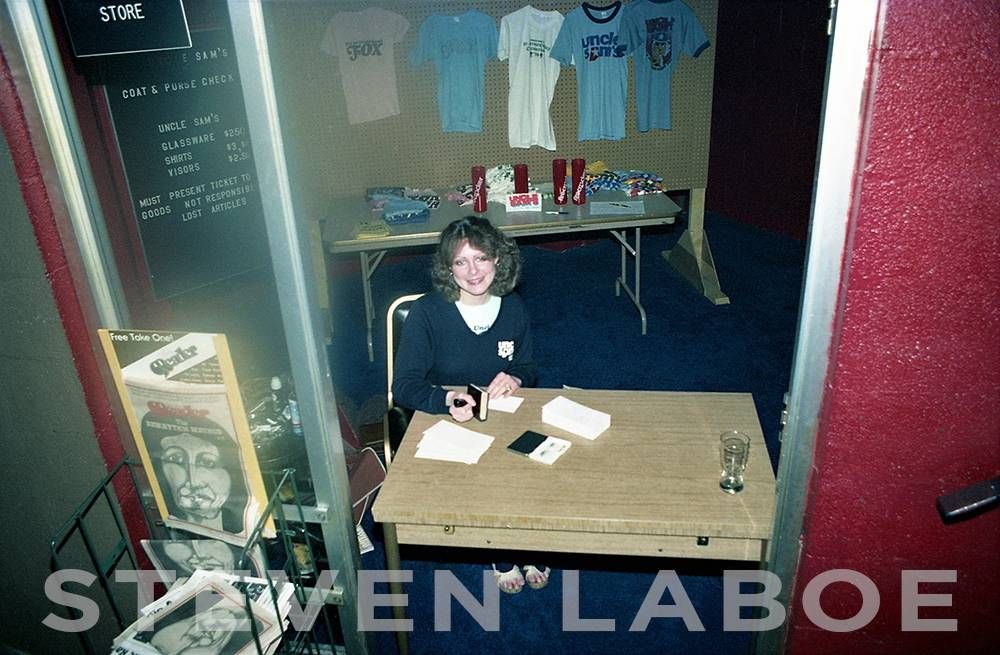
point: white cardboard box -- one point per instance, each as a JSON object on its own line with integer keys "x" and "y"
{"x": 573, "y": 417}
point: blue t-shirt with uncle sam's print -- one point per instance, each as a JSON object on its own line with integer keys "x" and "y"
{"x": 590, "y": 40}
{"x": 459, "y": 47}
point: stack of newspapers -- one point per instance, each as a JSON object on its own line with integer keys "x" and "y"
{"x": 207, "y": 613}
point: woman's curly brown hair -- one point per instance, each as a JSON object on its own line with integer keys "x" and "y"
{"x": 481, "y": 235}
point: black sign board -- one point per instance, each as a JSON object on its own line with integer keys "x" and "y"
{"x": 104, "y": 27}
{"x": 181, "y": 127}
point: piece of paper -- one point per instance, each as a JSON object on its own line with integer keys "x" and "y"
{"x": 364, "y": 543}
{"x": 508, "y": 404}
{"x": 209, "y": 609}
{"x": 549, "y": 450}
{"x": 601, "y": 207}
{"x": 452, "y": 443}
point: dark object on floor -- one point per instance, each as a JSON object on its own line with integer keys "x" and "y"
{"x": 969, "y": 501}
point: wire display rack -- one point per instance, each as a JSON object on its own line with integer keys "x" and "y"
{"x": 294, "y": 555}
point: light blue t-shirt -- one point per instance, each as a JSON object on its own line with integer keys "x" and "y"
{"x": 589, "y": 39}
{"x": 459, "y": 47}
{"x": 656, "y": 32}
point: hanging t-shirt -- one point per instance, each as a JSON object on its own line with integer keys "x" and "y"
{"x": 363, "y": 43}
{"x": 526, "y": 37}
{"x": 458, "y": 46}
{"x": 589, "y": 40}
{"x": 657, "y": 32}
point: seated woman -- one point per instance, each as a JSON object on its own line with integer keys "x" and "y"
{"x": 473, "y": 330}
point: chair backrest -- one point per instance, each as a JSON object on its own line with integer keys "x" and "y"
{"x": 394, "y": 423}
{"x": 394, "y": 319}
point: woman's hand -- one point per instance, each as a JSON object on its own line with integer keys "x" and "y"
{"x": 503, "y": 385}
{"x": 464, "y": 412}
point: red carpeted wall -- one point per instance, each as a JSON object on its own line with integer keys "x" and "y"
{"x": 912, "y": 407}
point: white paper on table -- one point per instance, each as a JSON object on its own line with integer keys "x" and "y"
{"x": 573, "y": 417}
{"x": 445, "y": 453}
{"x": 449, "y": 442}
{"x": 508, "y": 404}
{"x": 456, "y": 434}
{"x": 601, "y": 207}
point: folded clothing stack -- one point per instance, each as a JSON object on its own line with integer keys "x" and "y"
{"x": 384, "y": 192}
{"x": 427, "y": 196}
{"x": 371, "y": 229}
{"x": 396, "y": 211}
{"x": 380, "y": 194}
{"x": 598, "y": 177}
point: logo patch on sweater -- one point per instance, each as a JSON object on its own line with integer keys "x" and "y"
{"x": 505, "y": 350}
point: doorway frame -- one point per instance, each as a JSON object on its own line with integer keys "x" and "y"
{"x": 853, "y": 29}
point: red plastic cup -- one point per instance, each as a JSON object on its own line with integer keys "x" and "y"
{"x": 479, "y": 189}
{"x": 520, "y": 178}
{"x": 559, "y": 182}
{"x": 579, "y": 185}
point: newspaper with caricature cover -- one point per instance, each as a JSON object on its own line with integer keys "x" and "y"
{"x": 208, "y": 614}
{"x": 176, "y": 559}
{"x": 182, "y": 401}
{"x": 256, "y": 588}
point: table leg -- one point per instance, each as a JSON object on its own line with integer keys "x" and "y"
{"x": 757, "y": 612}
{"x": 638, "y": 268}
{"x": 621, "y": 269}
{"x": 692, "y": 256}
{"x": 366, "y": 289}
{"x": 622, "y": 282}
{"x": 368, "y": 266}
{"x": 393, "y": 564}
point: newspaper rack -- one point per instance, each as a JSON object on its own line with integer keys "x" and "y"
{"x": 289, "y": 519}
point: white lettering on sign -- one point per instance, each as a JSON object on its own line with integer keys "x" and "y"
{"x": 113, "y": 13}
{"x": 523, "y": 202}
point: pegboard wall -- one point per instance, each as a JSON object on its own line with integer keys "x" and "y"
{"x": 329, "y": 157}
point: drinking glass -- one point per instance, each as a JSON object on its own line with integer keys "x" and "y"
{"x": 734, "y": 449}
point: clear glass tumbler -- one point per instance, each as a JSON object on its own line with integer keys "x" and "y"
{"x": 734, "y": 449}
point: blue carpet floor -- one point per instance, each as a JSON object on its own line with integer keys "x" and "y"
{"x": 586, "y": 336}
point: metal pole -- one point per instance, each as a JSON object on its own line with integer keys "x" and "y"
{"x": 302, "y": 324}
{"x": 54, "y": 103}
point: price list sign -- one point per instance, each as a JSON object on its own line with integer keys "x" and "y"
{"x": 181, "y": 127}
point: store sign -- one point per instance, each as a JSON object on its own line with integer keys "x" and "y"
{"x": 100, "y": 27}
{"x": 523, "y": 202}
{"x": 181, "y": 127}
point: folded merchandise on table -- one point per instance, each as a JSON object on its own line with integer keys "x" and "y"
{"x": 499, "y": 185}
{"x": 379, "y": 195}
{"x": 598, "y": 177}
{"x": 462, "y": 195}
{"x": 637, "y": 183}
{"x": 396, "y": 211}
{"x": 372, "y": 229}
{"x": 398, "y": 206}
{"x": 426, "y": 196}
